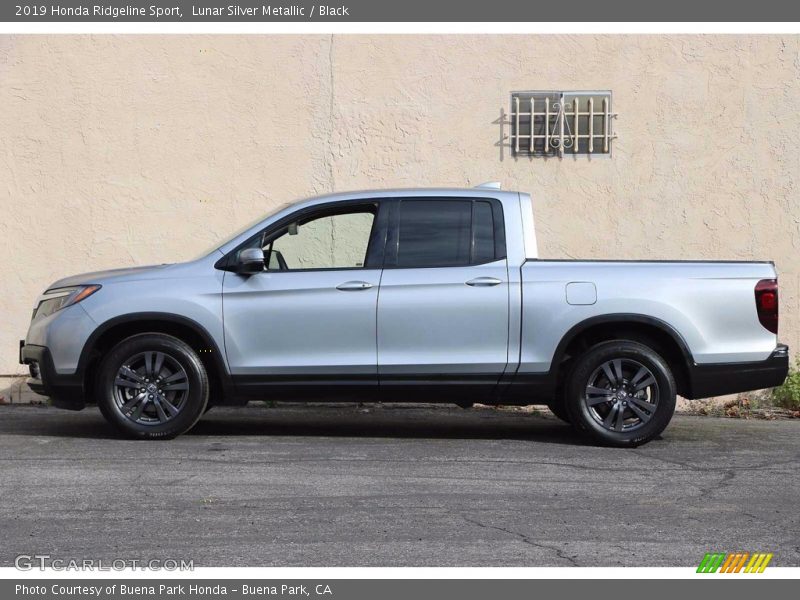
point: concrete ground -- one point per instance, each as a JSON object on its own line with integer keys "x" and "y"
{"x": 395, "y": 486}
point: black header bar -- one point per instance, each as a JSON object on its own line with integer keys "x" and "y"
{"x": 248, "y": 11}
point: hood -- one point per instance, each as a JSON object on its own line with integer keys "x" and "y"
{"x": 112, "y": 274}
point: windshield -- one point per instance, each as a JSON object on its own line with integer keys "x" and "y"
{"x": 222, "y": 240}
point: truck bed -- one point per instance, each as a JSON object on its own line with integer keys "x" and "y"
{"x": 710, "y": 305}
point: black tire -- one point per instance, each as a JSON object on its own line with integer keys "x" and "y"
{"x": 556, "y": 406}
{"x": 179, "y": 386}
{"x": 614, "y": 411}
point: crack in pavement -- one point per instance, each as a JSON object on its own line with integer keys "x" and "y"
{"x": 728, "y": 475}
{"x": 707, "y": 490}
{"x": 524, "y": 539}
{"x": 702, "y": 468}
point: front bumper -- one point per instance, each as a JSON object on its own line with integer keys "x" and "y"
{"x": 731, "y": 378}
{"x": 65, "y": 391}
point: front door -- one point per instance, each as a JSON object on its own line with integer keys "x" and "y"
{"x": 309, "y": 320}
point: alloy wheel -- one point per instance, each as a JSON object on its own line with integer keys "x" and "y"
{"x": 622, "y": 395}
{"x": 150, "y": 388}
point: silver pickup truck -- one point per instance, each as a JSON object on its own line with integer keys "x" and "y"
{"x": 433, "y": 295}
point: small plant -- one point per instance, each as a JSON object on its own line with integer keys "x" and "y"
{"x": 788, "y": 395}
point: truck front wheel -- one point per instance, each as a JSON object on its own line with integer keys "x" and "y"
{"x": 558, "y": 408}
{"x": 152, "y": 386}
{"x": 621, "y": 393}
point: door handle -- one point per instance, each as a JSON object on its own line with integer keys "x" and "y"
{"x": 484, "y": 281}
{"x": 353, "y": 286}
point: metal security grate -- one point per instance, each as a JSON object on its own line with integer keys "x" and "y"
{"x": 558, "y": 123}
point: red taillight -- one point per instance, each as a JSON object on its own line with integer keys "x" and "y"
{"x": 767, "y": 303}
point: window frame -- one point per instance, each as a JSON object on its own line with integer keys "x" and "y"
{"x": 377, "y": 237}
{"x": 392, "y": 244}
{"x": 267, "y": 239}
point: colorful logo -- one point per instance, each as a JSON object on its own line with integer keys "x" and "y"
{"x": 734, "y": 562}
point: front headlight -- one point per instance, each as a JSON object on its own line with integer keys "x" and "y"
{"x": 58, "y": 298}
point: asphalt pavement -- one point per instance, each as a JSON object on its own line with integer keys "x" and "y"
{"x": 395, "y": 486}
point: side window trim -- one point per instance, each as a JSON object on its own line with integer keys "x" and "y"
{"x": 392, "y": 241}
{"x": 499, "y": 229}
{"x": 375, "y": 248}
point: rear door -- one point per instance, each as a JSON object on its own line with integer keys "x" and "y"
{"x": 443, "y": 306}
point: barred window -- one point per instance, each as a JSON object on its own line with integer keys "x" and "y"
{"x": 561, "y": 123}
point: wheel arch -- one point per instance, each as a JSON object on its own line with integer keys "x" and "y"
{"x": 115, "y": 330}
{"x": 651, "y": 331}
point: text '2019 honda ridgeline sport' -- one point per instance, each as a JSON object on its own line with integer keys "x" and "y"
{"x": 432, "y": 295}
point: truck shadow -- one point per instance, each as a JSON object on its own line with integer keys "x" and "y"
{"x": 400, "y": 423}
{"x": 313, "y": 421}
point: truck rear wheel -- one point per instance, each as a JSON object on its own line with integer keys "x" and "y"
{"x": 620, "y": 393}
{"x": 152, "y": 386}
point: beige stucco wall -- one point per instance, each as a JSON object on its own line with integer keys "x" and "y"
{"x": 130, "y": 150}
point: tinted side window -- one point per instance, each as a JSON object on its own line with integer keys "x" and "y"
{"x": 434, "y": 233}
{"x": 483, "y": 224}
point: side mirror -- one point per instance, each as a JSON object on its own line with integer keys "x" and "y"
{"x": 250, "y": 261}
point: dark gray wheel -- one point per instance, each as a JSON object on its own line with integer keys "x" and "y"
{"x": 621, "y": 393}
{"x": 152, "y": 386}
